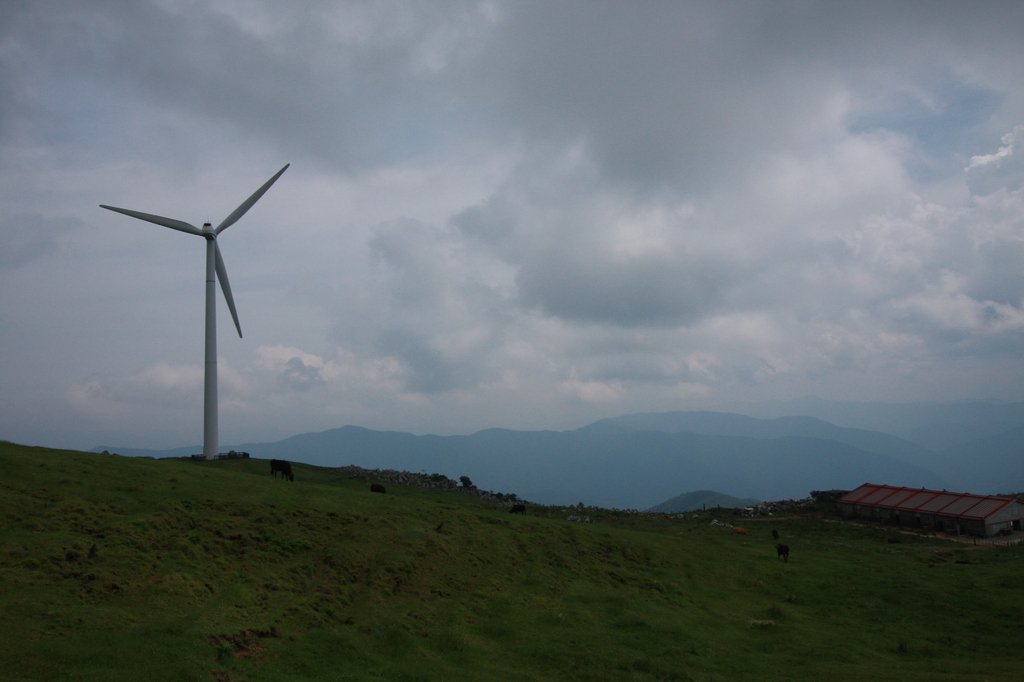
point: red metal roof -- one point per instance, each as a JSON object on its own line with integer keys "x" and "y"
{"x": 877, "y": 495}
{"x": 938, "y": 502}
{"x": 897, "y": 497}
{"x": 925, "y": 501}
{"x": 915, "y": 501}
{"x": 987, "y": 507}
{"x": 961, "y": 505}
{"x": 858, "y": 494}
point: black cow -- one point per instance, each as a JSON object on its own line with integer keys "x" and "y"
{"x": 284, "y": 467}
{"x": 517, "y": 509}
{"x": 775, "y": 535}
{"x": 377, "y": 488}
{"x": 783, "y": 551}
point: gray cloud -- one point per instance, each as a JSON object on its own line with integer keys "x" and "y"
{"x": 1004, "y": 169}
{"x": 997, "y": 275}
{"x": 521, "y": 214}
{"x": 683, "y": 96}
{"x": 429, "y": 310}
{"x": 26, "y": 237}
{"x": 299, "y": 376}
{"x": 349, "y": 84}
{"x": 643, "y": 291}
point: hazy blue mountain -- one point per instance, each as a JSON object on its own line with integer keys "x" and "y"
{"x": 632, "y": 469}
{"x": 729, "y": 424}
{"x": 994, "y": 464}
{"x": 702, "y": 499}
{"x": 638, "y": 460}
{"x": 626, "y": 470}
{"x": 936, "y": 426}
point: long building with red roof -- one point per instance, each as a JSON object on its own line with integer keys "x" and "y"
{"x": 939, "y": 510}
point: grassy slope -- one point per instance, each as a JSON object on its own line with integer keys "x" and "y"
{"x": 204, "y": 568}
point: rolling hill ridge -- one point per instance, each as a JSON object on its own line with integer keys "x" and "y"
{"x": 634, "y": 461}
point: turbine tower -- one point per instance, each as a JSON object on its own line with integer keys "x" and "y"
{"x": 214, "y": 270}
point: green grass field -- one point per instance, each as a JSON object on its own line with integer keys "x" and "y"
{"x": 130, "y": 569}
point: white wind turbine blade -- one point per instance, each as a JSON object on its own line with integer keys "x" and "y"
{"x": 159, "y": 220}
{"x": 247, "y": 204}
{"x": 222, "y": 276}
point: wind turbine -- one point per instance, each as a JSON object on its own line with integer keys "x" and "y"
{"x": 214, "y": 269}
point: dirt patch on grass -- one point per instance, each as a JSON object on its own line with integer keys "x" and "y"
{"x": 244, "y": 643}
{"x": 221, "y": 676}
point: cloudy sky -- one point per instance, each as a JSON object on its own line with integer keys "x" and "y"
{"x": 519, "y": 214}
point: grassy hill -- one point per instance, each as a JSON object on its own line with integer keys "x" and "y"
{"x": 128, "y": 569}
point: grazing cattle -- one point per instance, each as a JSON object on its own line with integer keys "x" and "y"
{"x": 894, "y": 541}
{"x": 775, "y": 535}
{"x": 739, "y": 531}
{"x": 377, "y": 488}
{"x": 783, "y": 551}
{"x": 284, "y": 467}
{"x": 517, "y": 509}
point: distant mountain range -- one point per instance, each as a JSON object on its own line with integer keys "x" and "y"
{"x": 993, "y": 464}
{"x": 702, "y": 499}
{"x": 726, "y": 424}
{"x": 640, "y": 460}
{"x": 936, "y": 426}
